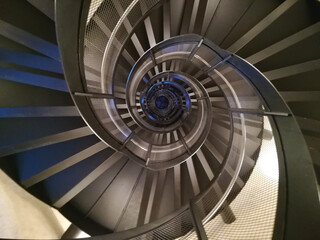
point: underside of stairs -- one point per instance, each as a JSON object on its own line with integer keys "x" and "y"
{"x": 120, "y": 148}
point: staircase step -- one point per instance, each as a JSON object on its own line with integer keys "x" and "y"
{"x": 33, "y": 79}
{"x": 29, "y": 60}
{"x": 45, "y": 6}
{"x": 31, "y": 41}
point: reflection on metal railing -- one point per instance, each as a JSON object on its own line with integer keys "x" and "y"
{"x": 214, "y": 102}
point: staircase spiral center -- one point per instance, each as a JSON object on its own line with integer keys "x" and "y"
{"x": 162, "y": 102}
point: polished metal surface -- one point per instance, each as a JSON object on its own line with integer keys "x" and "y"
{"x": 169, "y": 134}
{"x": 171, "y": 107}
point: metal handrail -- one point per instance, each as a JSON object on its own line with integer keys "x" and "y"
{"x": 296, "y": 175}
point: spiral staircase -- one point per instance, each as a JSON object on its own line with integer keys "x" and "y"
{"x": 148, "y": 119}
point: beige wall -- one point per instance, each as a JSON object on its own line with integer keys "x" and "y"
{"x": 24, "y": 216}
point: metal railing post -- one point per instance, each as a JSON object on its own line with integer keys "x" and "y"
{"x": 197, "y": 222}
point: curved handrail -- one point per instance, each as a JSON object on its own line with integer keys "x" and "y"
{"x": 296, "y": 174}
{"x": 297, "y": 179}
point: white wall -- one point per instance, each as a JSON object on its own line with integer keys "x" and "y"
{"x": 24, "y": 216}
